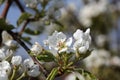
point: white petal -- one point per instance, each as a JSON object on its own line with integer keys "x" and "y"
{"x": 87, "y": 31}
{"x": 34, "y": 71}
{"x": 63, "y": 50}
{"x": 6, "y": 36}
{"x": 36, "y": 48}
{"x": 69, "y": 41}
{"x": 2, "y": 55}
{"x": 61, "y": 36}
{"x": 28, "y": 63}
{"x": 78, "y": 34}
{"x": 82, "y": 49}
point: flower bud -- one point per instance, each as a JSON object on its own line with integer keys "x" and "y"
{"x": 36, "y": 48}
{"x": 16, "y": 60}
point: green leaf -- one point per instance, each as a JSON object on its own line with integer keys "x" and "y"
{"x": 53, "y": 73}
{"x": 32, "y": 32}
{"x": 5, "y": 26}
{"x": 24, "y": 16}
{"x": 46, "y": 57}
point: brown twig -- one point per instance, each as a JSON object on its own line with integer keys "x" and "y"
{"x": 7, "y": 6}
{"x": 23, "y": 28}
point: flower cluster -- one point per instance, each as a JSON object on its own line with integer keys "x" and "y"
{"x": 9, "y": 64}
{"x": 60, "y": 50}
{"x": 59, "y": 43}
{"x": 28, "y": 65}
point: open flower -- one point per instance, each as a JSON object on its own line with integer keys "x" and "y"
{"x": 83, "y": 40}
{"x": 58, "y": 42}
{"x": 36, "y": 48}
{"x": 16, "y": 60}
{"x": 31, "y": 67}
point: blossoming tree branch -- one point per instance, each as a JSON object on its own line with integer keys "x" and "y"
{"x": 57, "y": 58}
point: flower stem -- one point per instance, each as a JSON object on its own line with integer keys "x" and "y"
{"x": 23, "y": 75}
{"x": 13, "y": 74}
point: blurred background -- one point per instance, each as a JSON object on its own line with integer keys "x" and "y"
{"x": 101, "y": 16}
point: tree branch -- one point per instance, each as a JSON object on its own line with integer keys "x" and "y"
{"x": 16, "y": 37}
{"x": 23, "y": 28}
{"x": 7, "y": 6}
{"x": 19, "y": 5}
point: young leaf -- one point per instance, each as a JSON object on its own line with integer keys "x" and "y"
{"x": 46, "y": 57}
{"x": 23, "y": 17}
{"x": 5, "y": 26}
{"x": 53, "y": 73}
{"x": 34, "y": 32}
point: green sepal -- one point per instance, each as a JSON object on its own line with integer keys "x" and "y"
{"x": 46, "y": 57}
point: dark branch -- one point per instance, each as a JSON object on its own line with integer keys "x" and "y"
{"x": 19, "y": 5}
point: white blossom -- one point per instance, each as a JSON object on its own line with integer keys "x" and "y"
{"x": 83, "y": 40}
{"x": 5, "y": 65}
{"x": 28, "y": 63}
{"x": 58, "y": 42}
{"x": 16, "y": 60}
{"x": 7, "y": 40}
{"x": 33, "y": 71}
{"x": 3, "y": 75}
{"x": 36, "y": 48}
{"x": 32, "y": 68}
{"x": 5, "y": 53}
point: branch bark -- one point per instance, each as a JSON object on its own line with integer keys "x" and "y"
{"x": 7, "y": 6}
